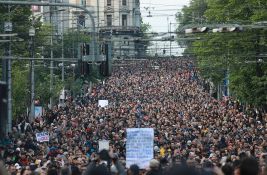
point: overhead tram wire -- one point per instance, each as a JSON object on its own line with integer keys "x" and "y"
{"x": 41, "y": 59}
{"x": 118, "y": 10}
{"x": 162, "y": 5}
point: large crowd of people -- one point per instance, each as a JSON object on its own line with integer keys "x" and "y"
{"x": 194, "y": 132}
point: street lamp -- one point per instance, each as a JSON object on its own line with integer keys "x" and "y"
{"x": 32, "y": 34}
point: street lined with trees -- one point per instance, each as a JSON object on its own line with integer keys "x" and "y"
{"x": 237, "y": 57}
{"x": 22, "y": 19}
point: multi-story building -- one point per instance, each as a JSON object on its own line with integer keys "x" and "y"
{"x": 117, "y": 21}
{"x": 123, "y": 18}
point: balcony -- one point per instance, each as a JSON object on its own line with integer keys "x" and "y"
{"x": 137, "y": 11}
{"x": 109, "y": 9}
{"x": 78, "y": 11}
{"x": 90, "y": 58}
{"x": 119, "y": 28}
{"x": 124, "y": 9}
{"x": 126, "y": 47}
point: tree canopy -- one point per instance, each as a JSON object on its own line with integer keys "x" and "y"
{"x": 239, "y": 54}
{"x": 22, "y": 19}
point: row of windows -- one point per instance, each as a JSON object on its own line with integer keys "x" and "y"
{"x": 83, "y": 2}
{"x": 123, "y": 19}
{"x": 124, "y": 2}
{"x": 81, "y": 20}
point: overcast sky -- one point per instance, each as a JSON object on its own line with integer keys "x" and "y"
{"x": 161, "y": 11}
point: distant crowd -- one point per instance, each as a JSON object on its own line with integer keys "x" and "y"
{"x": 194, "y": 132}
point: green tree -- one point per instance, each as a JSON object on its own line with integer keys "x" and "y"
{"x": 72, "y": 40}
{"x": 22, "y": 20}
{"x": 143, "y": 45}
{"x": 20, "y": 90}
{"x": 19, "y": 16}
{"x": 237, "y": 53}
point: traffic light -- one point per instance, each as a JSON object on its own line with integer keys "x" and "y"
{"x": 3, "y": 107}
{"x": 105, "y": 67}
{"x": 197, "y": 30}
{"x": 164, "y": 51}
{"x": 227, "y": 29}
{"x": 215, "y": 30}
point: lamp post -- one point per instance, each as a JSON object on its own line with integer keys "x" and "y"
{"x": 62, "y": 49}
{"x": 32, "y": 34}
{"x": 7, "y": 77}
{"x": 170, "y": 39}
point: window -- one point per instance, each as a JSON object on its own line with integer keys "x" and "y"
{"x": 126, "y": 42}
{"x": 124, "y": 2}
{"x": 83, "y": 2}
{"x": 81, "y": 20}
{"x": 86, "y": 49}
{"x": 124, "y": 20}
{"x": 109, "y": 20}
{"x": 108, "y": 2}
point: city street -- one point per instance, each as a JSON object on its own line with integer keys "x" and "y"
{"x": 133, "y": 87}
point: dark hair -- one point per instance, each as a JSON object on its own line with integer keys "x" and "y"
{"x": 236, "y": 164}
{"x": 75, "y": 170}
{"x": 242, "y": 155}
{"x": 228, "y": 169}
{"x": 164, "y": 161}
{"x": 249, "y": 166}
{"x": 65, "y": 171}
{"x": 22, "y": 171}
{"x": 181, "y": 170}
{"x": 52, "y": 171}
{"x": 99, "y": 170}
{"x": 103, "y": 155}
{"x": 208, "y": 164}
{"x": 134, "y": 169}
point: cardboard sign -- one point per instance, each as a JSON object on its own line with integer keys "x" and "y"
{"x": 42, "y": 137}
{"x": 139, "y": 147}
{"x": 38, "y": 111}
{"x": 103, "y": 144}
{"x": 103, "y": 103}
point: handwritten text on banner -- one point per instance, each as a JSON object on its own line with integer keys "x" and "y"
{"x": 139, "y": 147}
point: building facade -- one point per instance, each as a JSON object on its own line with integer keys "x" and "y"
{"x": 116, "y": 21}
{"x": 121, "y": 21}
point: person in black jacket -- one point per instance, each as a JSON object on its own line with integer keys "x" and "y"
{"x": 133, "y": 170}
{"x": 154, "y": 168}
{"x": 102, "y": 165}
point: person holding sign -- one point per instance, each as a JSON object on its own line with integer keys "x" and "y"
{"x": 106, "y": 163}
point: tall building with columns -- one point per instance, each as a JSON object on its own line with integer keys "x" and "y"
{"x": 117, "y": 21}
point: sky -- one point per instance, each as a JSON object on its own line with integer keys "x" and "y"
{"x": 162, "y": 19}
{"x": 162, "y": 12}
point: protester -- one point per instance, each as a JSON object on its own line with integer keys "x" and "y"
{"x": 133, "y": 170}
{"x": 191, "y": 127}
{"x": 154, "y": 168}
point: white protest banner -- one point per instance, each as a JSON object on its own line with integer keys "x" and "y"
{"x": 139, "y": 147}
{"x": 38, "y": 111}
{"x": 102, "y": 103}
{"x": 103, "y": 144}
{"x": 42, "y": 137}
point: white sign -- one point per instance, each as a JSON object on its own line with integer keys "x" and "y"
{"x": 139, "y": 147}
{"x": 8, "y": 27}
{"x": 42, "y": 137}
{"x": 103, "y": 144}
{"x": 38, "y": 111}
{"x": 102, "y": 103}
